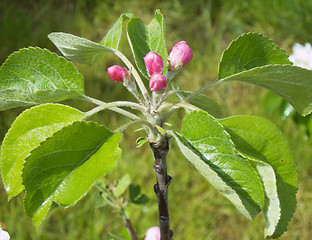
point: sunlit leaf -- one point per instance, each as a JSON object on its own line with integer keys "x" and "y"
{"x": 248, "y": 51}
{"x": 112, "y": 38}
{"x": 29, "y": 129}
{"x": 33, "y": 76}
{"x": 65, "y": 166}
{"x": 205, "y": 143}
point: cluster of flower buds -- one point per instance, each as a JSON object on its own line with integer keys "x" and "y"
{"x": 152, "y": 233}
{"x": 155, "y": 67}
{"x": 179, "y": 56}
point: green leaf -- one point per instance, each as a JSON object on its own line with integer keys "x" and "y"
{"x": 65, "y": 166}
{"x": 141, "y": 200}
{"x": 112, "y": 38}
{"x": 29, "y": 129}
{"x": 259, "y": 139}
{"x": 272, "y": 103}
{"x": 135, "y": 191}
{"x": 141, "y": 141}
{"x": 156, "y": 36}
{"x": 209, "y": 148}
{"x": 203, "y": 102}
{"x": 292, "y": 83}
{"x": 122, "y": 185}
{"x": 78, "y": 49}
{"x": 136, "y": 196}
{"x": 144, "y": 39}
{"x": 249, "y": 51}
{"x": 275, "y": 104}
{"x": 34, "y": 76}
{"x": 309, "y": 126}
{"x": 137, "y": 34}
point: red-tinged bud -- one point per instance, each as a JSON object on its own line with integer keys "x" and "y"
{"x": 180, "y": 55}
{"x": 152, "y": 233}
{"x": 117, "y": 73}
{"x": 157, "y": 82}
{"x": 154, "y": 63}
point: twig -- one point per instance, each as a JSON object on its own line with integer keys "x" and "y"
{"x": 129, "y": 226}
{"x": 160, "y": 150}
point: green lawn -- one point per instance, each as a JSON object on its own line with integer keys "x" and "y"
{"x": 197, "y": 210}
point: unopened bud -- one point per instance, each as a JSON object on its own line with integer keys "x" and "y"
{"x": 154, "y": 63}
{"x": 152, "y": 233}
{"x": 157, "y": 82}
{"x": 180, "y": 55}
{"x": 117, "y": 73}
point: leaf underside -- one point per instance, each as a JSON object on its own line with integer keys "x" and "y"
{"x": 78, "y": 49}
{"x": 255, "y": 59}
{"x": 203, "y": 102}
{"x": 260, "y": 140}
{"x": 292, "y": 83}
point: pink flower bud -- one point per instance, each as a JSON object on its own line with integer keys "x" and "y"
{"x": 157, "y": 82}
{"x": 117, "y": 73}
{"x": 180, "y": 55}
{"x": 154, "y": 63}
{"x": 152, "y": 233}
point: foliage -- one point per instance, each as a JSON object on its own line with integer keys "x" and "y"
{"x": 239, "y": 160}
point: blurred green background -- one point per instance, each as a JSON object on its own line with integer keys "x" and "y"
{"x": 197, "y": 210}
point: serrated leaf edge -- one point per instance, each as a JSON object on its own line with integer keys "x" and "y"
{"x": 10, "y": 130}
{"x": 51, "y": 201}
{"x": 276, "y": 47}
{"x": 250, "y": 158}
{"x": 44, "y": 50}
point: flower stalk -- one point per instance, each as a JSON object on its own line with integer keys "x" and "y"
{"x": 114, "y": 105}
{"x": 135, "y": 75}
{"x": 115, "y": 109}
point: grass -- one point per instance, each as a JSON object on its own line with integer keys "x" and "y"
{"x": 197, "y": 210}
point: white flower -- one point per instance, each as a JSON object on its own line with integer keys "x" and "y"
{"x": 4, "y": 235}
{"x": 152, "y": 233}
{"x": 302, "y": 55}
